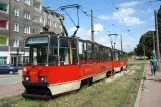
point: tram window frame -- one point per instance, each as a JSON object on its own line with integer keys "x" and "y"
{"x": 106, "y": 57}
{"x": 101, "y": 53}
{"x": 110, "y": 54}
{"x": 97, "y": 53}
{"x": 73, "y": 51}
{"x": 82, "y": 48}
{"x": 35, "y": 57}
{"x": 53, "y": 55}
{"x": 90, "y": 52}
{"x": 63, "y": 48}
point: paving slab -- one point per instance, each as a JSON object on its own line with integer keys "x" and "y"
{"x": 151, "y": 89}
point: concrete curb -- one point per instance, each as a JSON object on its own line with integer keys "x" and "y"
{"x": 138, "y": 98}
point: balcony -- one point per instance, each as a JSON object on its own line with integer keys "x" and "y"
{"x": 3, "y": 27}
{"x": 3, "y": 42}
{"x": 4, "y": 10}
{"x": 37, "y": 7}
{"x": 37, "y": 1}
{"x": 36, "y": 10}
{"x": 37, "y": 21}
{"x": 3, "y": 32}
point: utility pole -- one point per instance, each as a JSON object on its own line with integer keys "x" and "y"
{"x": 121, "y": 42}
{"x": 154, "y": 51}
{"x": 157, "y": 39}
{"x": 144, "y": 51}
{"x": 92, "y": 27}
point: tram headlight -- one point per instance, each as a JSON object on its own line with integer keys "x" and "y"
{"x": 42, "y": 79}
{"x": 27, "y": 78}
{"x": 24, "y": 69}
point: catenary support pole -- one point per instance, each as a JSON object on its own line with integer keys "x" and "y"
{"x": 154, "y": 45}
{"x": 157, "y": 40}
{"x": 92, "y": 27}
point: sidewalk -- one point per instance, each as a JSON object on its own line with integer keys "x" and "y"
{"x": 10, "y": 90}
{"x": 151, "y": 94}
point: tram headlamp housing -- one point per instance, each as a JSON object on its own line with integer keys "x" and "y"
{"x": 42, "y": 79}
{"x": 27, "y": 78}
{"x": 24, "y": 69}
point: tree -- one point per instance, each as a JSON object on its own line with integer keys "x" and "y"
{"x": 147, "y": 41}
{"x": 159, "y": 25}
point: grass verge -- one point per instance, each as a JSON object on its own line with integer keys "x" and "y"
{"x": 101, "y": 94}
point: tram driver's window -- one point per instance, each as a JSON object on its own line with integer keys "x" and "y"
{"x": 53, "y": 56}
{"x": 64, "y": 56}
{"x": 64, "y": 51}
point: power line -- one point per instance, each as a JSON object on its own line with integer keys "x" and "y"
{"x": 122, "y": 19}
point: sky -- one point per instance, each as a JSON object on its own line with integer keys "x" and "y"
{"x": 132, "y": 19}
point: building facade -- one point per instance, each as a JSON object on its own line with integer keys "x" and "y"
{"x": 19, "y": 19}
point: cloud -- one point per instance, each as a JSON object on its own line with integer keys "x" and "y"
{"x": 97, "y": 28}
{"x": 126, "y": 14}
{"x": 130, "y": 21}
{"x": 104, "y": 17}
{"x": 86, "y": 34}
{"x": 129, "y": 4}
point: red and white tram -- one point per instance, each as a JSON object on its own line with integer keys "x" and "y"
{"x": 59, "y": 64}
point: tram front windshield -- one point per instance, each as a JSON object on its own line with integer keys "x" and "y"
{"x": 40, "y": 54}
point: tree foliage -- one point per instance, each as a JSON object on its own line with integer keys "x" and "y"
{"x": 146, "y": 41}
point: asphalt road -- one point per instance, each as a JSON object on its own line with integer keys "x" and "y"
{"x": 7, "y": 79}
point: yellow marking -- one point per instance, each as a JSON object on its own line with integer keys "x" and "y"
{"x": 87, "y": 70}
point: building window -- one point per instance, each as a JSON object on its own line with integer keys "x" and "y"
{"x": 26, "y": 15}
{"x": 15, "y": 43}
{"x": 54, "y": 24}
{"x": 27, "y": 29}
{"x": 16, "y": 27}
{"x": 16, "y": 11}
{"x": 27, "y": 2}
{"x": 44, "y": 22}
{"x": 49, "y": 22}
{"x": 60, "y": 27}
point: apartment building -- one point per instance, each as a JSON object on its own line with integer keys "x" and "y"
{"x": 21, "y": 18}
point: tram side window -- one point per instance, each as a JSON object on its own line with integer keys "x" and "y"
{"x": 64, "y": 51}
{"x": 101, "y": 53}
{"x": 73, "y": 51}
{"x": 97, "y": 53}
{"x": 90, "y": 53}
{"x": 109, "y": 55}
{"x": 53, "y": 56}
{"x": 82, "y": 52}
{"x": 53, "y": 52}
{"x": 105, "y": 54}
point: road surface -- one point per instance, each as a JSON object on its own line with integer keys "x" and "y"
{"x": 7, "y": 79}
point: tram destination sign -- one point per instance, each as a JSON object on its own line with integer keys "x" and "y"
{"x": 37, "y": 40}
